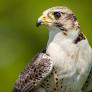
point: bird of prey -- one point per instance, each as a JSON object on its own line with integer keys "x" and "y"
{"x": 66, "y": 64}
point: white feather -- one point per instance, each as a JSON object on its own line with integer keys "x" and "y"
{"x": 72, "y": 61}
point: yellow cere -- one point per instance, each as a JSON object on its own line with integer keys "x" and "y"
{"x": 44, "y": 18}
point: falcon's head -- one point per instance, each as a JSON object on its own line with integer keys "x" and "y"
{"x": 59, "y": 17}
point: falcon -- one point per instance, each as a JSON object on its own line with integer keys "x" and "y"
{"x": 66, "y": 63}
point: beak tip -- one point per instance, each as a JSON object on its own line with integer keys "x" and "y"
{"x": 38, "y": 23}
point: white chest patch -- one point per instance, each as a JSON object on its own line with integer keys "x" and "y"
{"x": 67, "y": 62}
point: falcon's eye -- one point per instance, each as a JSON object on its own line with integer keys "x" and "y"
{"x": 57, "y": 15}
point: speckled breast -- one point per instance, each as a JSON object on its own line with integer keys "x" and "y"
{"x": 53, "y": 84}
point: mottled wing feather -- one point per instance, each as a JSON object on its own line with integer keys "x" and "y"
{"x": 34, "y": 73}
{"x": 88, "y": 83}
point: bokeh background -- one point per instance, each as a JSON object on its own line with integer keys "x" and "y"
{"x": 20, "y": 39}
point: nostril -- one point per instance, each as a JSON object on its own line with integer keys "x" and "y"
{"x": 44, "y": 17}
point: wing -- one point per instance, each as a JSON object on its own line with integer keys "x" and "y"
{"x": 88, "y": 84}
{"x": 34, "y": 73}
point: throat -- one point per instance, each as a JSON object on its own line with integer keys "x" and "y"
{"x": 59, "y": 44}
{"x": 58, "y": 36}
{"x": 55, "y": 35}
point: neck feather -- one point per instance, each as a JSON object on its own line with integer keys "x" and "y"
{"x": 57, "y": 35}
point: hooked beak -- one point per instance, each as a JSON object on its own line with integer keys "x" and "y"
{"x": 42, "y": 20}
{"x": 38, "y": 23}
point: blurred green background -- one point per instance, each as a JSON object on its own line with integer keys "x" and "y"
{"x": 20, "y": 40}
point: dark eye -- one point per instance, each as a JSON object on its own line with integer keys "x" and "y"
{"x": 57, "y": 15}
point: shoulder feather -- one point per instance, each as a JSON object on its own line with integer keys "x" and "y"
{"x": 87, "y": 87}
